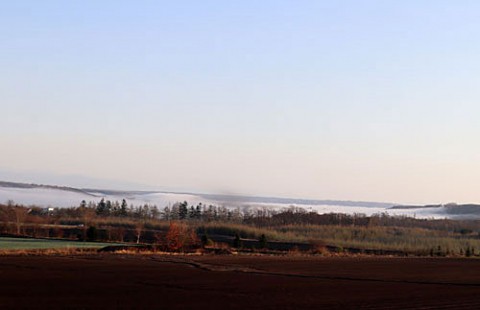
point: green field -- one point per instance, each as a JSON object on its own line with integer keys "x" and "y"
{"x": 7, "y": 243}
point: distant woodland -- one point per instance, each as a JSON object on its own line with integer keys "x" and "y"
{"x": 184, "y": 227}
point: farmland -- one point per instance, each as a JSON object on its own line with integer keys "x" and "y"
{"x": 112, "y": 281}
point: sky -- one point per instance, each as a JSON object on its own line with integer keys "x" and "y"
{"x": 354, "y": 100}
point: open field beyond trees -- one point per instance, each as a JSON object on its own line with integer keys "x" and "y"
{"x": 7, "y": 243}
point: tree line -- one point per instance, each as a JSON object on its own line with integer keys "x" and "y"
{"x": 119, "y": 221}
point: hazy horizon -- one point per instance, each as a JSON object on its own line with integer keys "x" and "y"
{"x": 364, "y": 101}
{"x": 85, "y": 182}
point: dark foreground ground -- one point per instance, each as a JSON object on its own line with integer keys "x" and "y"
{"x": 237, "y": 282}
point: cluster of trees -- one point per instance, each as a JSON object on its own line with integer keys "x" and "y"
{"x": 107, "y": 208}
{"x": 13, "y": 216}
{"x": 262, "y": 217}
{"x": 180, "y": 224}
{"x": 298, "y": 216}
{"x": 178, "y": 211}
{"x": 87, "y": 213}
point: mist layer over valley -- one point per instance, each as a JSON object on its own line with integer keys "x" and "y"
{"x": 64, "y": 197}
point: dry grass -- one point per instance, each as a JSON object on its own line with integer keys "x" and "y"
{"x": 48, "y": 252}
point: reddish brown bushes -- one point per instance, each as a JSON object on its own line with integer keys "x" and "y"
{"x": 180, "y": 237}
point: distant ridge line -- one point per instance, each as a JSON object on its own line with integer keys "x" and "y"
{"x": 33, "y": 185}
{"x": 216, "y": 197}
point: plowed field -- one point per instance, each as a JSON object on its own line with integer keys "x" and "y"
{"x": 237, "y": 282}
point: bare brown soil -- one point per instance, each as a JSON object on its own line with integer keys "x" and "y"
{"x": 113, "y": 281}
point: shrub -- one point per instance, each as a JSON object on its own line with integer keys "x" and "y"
{"x": 92, "y": 233}
{"x": 206, "y": 241}
{"x": 180, "y": 237}
{"x": 262, "y": 241}
{"x": 237, "y": 243}
{"x": 318, "y": 247}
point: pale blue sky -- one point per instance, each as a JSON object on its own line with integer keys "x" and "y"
{"x": 364, "y": 100}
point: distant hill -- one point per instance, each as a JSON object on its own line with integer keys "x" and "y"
{"x": 63, "y": 196}
{"x": 367, "y": 204}
{"x": 415, "y": 207}
{"x": 451, "y": 210}
{"x": 32, "y": 185}
{"x": 208, "y": 197}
